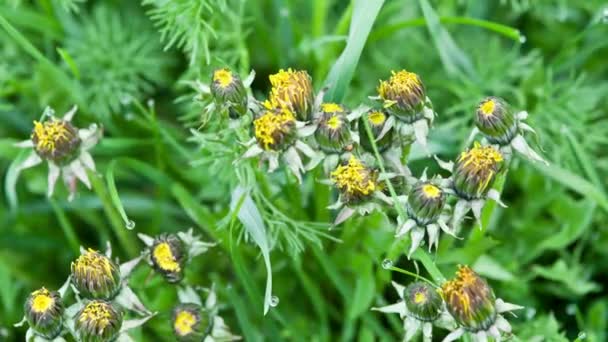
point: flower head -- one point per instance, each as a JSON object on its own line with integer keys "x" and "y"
{"x": 377, "y": 121}
{"x": 333, "y": 131}
{"x": 476, "y": 170}
{"x": 292, "y": 89}
{"x": 423, "y": 301}
{"x": 96, "y": 276}
{"x": 275, "y": 129}
{"x": 190, "y": 322}
{"x": 56, "y": 140}
{"x": 425, "y": 202}
{"x": 404, "y": 95}
{"x": 228, "y": 89}
{"x": 64, "y": 147}
{"x": 168, "y": 256}
{"x": 98, "y": 321}
{"x": 44, "y": 312}
{"x": 355, "y": 181}
{"x": 470, "y": 300}
{"x": 494, "y": 118}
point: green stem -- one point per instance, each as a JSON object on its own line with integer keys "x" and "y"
{"x": 420, "y": 254}
{"x": 66, "y": 226}
{"x": 127, "y": 241}
{"x": 411, "y": 274}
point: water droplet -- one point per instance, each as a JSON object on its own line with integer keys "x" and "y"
{"x": 387, "y": 263}
{"x": 530, "y": 313}
{"x": 274, "y": 301}
{"x": 522, "y": 38}
{"x": 130, "y": 225}
{"x": 582, "y": 335}
{"x": 605, "y": 16}
{"x": 571, "y": 309}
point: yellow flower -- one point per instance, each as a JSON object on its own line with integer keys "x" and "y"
{"x": 292, "y": 89}
{"x": 168, "y": 256}
{"x": 475, "y": 171}
{"x": 354, "y": 180}
{"x": 275, "y": 129}
{"x": 404, "y": 95}
{"x": 55, "y": 140}
{"x": 190, "y": 322}
{"x": 95, "y": 275}
{"x": 470, "y": 300}
{"x": 44, "y": 312}
{"x": 98, "y": 321}
{"x": 229, "y": 92}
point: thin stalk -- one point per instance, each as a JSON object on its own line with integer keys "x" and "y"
{"x": 66, "y": 226}
{"x": 420, "y": 254}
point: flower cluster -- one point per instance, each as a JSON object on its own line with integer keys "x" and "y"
{"x": 465, "y": 304}
{"x": 103, "y": 298}
{"x": 295, "y": 126}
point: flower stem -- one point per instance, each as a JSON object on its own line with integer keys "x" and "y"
{"x": 66, "y": 226}
{"x": 420, "y": 254}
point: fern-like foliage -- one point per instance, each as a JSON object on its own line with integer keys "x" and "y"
{"x": 194, "y": 26}
{"x": 119, "y": 57}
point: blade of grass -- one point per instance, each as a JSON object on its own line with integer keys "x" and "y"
{"x": 389, "y": 30}
{"x": 454, "y": 60}
{"x": 340, "y": 75}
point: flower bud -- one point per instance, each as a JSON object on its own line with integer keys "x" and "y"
{"x": 404, "y": 96}
{"x": 376, "y": 120}
{"x": 423, "y": 301}
{"x": 44, "y": 313}
{"x": 275, "y": 129}
{"x": 333, "y": 132}
{"x": 476, "y": 170}
{"x": 191, "y": 323}
{"x": 98, "y": 321}
{"x": 228, "y": 89}
{"x": 355, "y": 181}
{"x": 470, "y": 300}
{"x": 292, "y": 89}
{"x": 425, "y": 202}
{"x": 495, "y": 119}
{"x": 56, "y": 140}
{"x": 168, "y": 257}
{"x": 95, "y": 276}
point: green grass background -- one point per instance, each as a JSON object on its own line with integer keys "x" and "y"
{"x": 547, "y": 251}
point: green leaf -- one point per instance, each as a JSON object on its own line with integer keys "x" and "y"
{"x": 11, "y": 178}
{"x": 573, "y": 182}
{"x": 488, "y": 267}
{"x": 250, "y": 217}
{"x": 569, "y": 279}
{"x": 340, "y": 75}
{"x": 364, "y": 292}
{"x": 454, "y": 60}
{"x": 69, "y": 61}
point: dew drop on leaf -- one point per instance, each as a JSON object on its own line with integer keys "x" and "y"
{"x": 130, "y": 225}
{"x": 387, "y": 263}
{"x": 274, "y": 301}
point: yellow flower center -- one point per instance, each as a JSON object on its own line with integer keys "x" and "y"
{"x": 354, "y": 178}
{"x": 331, "y": 108}
{"x": 50, "y": 133}
{"x": 334, "y": 122}
{"x": 268, "y": 125}
{"x": 93, "y": 265}
{"x": 184, "y": 323}
{"x": 481, "y": 160}
{"x": 402, "y": 82}
{"x": 98, "y": 313}
{"x": 42, "y": 300}
{"x": 223, "y": 77}
{"x": 487, "y": 108}
{"x": 376, "y": 118}
{"x": 431, "y": 191}
{"x": 164, "y": 258}
{"x": 419, "y": 298}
